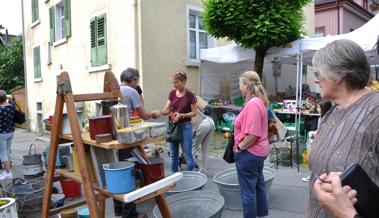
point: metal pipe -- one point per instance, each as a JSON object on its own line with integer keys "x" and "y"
{"x": 25, "y": 71}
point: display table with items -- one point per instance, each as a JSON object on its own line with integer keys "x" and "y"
{"x": 305, "y": 116}
{"x": 113, "y": 178}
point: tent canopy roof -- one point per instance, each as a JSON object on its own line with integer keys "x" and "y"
{"x": 366, "y": 36}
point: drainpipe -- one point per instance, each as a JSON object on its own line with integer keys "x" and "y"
{"x": 25, "y": 72}
{"x": 338, "y": 18}
{"x": 137, "y": 35}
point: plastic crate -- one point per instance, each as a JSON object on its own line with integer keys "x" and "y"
{"x": 274, "y": 106}
{"x": 238, "y": 101}
{"x": 224, "y": 126}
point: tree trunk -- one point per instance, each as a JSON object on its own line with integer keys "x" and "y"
{"x": 259, "y": 60}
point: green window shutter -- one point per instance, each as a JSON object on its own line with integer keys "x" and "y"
{"x": 67, "y": 18}
{"x": 37, "y": 11}
{"x": 37, "y": 62}
{"x": 34, "y": 10}
{"x": 52, "y": 24}
{"x": 102, "y": 57}
{"x": 93, "y": 42}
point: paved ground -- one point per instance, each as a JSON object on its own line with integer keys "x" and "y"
{"x": 288, "y": 196}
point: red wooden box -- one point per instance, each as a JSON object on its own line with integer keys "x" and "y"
{"x": 100, "y": 125}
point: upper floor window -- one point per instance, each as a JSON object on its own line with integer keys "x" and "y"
{"x": 320, "y": 32}
{"x": 60, "y": 20}
{"x": 98, "y": 36}
{"x": 35, "y": 13}
{"x": 37, "y": 62}
{"x": 197, "y": 38}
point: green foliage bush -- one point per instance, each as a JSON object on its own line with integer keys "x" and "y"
{"x": 12, "y": 65}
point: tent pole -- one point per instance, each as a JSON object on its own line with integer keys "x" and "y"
{"x": 297, "y": 87}
{"x": 299, "y": 106}
{"x": 200, "y": 74}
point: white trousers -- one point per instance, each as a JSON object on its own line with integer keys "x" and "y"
{"x": 202, "y": 139}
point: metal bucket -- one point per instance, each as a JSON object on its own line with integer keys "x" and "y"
{"x": 199, "y": 204}
{"x": 120, "y": 115}
{"x": 32, "y": 159}
{"x": 191, "y": 181}
{"x": 120, "y": 177}
{"x": 35, "y": 187}
{"x": 8, "y": 208}
{"x": 227, "y": 182}
{"x": 31, "y": 170}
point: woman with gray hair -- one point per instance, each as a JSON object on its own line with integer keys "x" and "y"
{"x": 251, "y": 145}
{"x": 349, "y": 132}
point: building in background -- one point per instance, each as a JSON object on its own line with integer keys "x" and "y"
{"x": 6, "y": 38}
{"x": 334, "y": 17}
{"x": 87, "y": 38}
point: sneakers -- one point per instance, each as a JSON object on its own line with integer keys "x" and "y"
{"x": 306, "y": 179}
{"x": 141, "y": 215}
{"x": 6, "y": 175}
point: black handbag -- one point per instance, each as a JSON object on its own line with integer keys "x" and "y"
{"x": 19, "y": 116}
{"x": 174, "y": 132}
{"x": 229, "y": 154}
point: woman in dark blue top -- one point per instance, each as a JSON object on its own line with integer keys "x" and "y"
{"x": 7, "y": 111}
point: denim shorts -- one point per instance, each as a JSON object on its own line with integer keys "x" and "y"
{"x": 5, "y": 146}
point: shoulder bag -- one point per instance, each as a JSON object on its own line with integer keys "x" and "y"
{"x": 229, "y": 154}
{"x": 174, "y": 132}
{"x": 19, "y": 116}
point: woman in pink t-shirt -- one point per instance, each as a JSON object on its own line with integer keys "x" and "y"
{"x": 251, "y": 145}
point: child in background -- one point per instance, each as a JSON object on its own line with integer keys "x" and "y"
{"x": 323, "y": 107}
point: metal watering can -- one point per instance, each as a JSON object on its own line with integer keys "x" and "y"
{"x": 120, "y": 116}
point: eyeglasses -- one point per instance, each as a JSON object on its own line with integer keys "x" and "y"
{"x": 179, "y": 73}
{"x": 317, "y": 75}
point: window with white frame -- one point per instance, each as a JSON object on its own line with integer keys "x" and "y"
{"x": 197, "y": 38}
{"x": 59, "y": 21}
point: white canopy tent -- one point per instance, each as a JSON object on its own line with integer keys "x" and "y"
{"x": 234, "y": 60}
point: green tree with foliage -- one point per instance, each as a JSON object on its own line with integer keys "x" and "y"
{"x": 12, "y": 65}
{"x": 257, "y": 24}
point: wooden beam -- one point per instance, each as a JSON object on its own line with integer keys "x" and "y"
{"x": 68, "y": 206}
{"x": 95, "y": 96}
{"x": 102, "y": 207}
{"x": 163, "y": 206}
{"x": 80, "y": 151}
{"x": 111, "y": 85}
{"x": 112, "y": 144}
{"x": 59, "y": 102}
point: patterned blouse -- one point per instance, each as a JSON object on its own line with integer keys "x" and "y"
{"x": 346, "y": 136}
{"x": 6, "y": 118}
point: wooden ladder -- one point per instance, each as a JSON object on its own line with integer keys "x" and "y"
{"x": 65, "y": 95}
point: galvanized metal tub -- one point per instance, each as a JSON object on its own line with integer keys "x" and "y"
{"x": 227, "y": 182}
{"x": 191, "y": 204}
{"x": 191, "y": 181}
{"x": 8, "y": 207}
